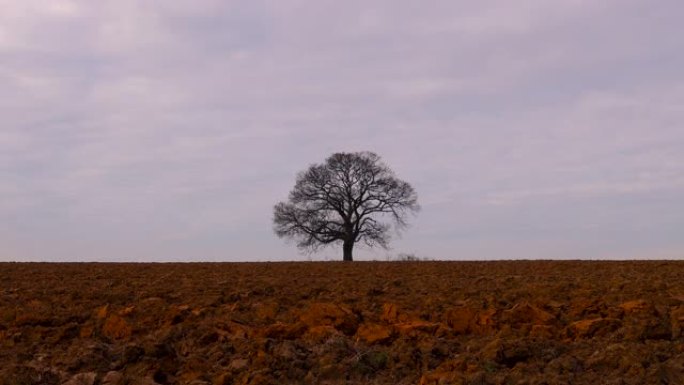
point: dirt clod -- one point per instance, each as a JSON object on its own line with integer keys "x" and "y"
{"x": 524, "y": 322}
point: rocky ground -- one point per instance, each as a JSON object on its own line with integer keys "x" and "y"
{"x": 527, "y": 322}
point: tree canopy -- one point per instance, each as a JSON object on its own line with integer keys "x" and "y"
{"x": 350, "y": 198}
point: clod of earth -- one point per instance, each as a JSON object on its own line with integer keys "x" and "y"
{"x": 335, "y": 323}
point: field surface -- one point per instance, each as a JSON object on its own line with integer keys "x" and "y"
{"x": 523, "y": 322}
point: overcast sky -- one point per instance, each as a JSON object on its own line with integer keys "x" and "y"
{"x": 167, "y": 130}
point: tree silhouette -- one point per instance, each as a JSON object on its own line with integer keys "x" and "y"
{"x": 345, "y": 200}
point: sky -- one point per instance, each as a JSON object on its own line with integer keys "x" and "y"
{"x": 167, "y": 130}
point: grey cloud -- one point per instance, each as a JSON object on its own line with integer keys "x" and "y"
{"x": 167, "y": 130}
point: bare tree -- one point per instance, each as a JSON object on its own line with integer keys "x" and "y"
{"x": 345, "y": 200}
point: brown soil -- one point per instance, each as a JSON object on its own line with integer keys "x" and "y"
{"x": 527, "y": 322}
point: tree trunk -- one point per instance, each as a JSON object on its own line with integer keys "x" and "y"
{"x": 347, "y": 247}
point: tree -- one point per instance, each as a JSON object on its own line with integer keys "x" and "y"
{"x": 345, "y": 200}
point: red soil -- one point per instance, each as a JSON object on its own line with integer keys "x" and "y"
{"x": 528, "y": 322}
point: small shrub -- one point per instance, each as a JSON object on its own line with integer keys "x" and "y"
{"x": 409, "y": 257}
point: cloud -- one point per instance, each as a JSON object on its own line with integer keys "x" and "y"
{"x": 167, "y": 130}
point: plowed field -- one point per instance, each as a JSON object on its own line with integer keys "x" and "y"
{"x": 523, "y": 322}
